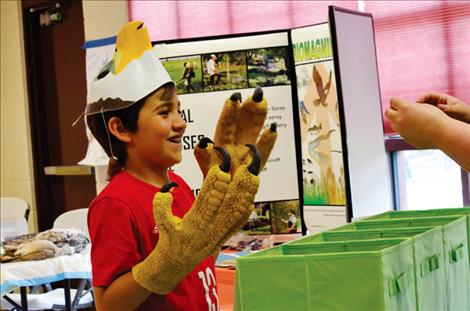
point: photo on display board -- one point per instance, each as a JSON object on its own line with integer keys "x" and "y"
{"x": 224, "y": 71}
{"x": 279, "y": 217}
{"x": 259, "y": 221}
{"x": 185, "y": 72}
{"x": 267, "y": 67}
{"x": 285, "y": 217}
{"x": 322, "y": 159}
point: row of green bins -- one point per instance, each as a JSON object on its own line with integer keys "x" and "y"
{"x": 428, "y": 255}
{"x": 454, "y": 234}
{"x": 463, "y": 211}
{"x": 346, "y": 275}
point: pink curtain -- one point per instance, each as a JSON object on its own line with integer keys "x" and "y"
{"x": 189, "y": 19}
{"x": 421, "y": 45}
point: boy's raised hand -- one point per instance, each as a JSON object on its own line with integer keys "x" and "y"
{"x": 237, "y": 131}
{"x": 230, "y": 166}
{"x": 183, "y": 243}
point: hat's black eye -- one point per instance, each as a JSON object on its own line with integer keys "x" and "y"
{"x": 140, "y": 26}
{"x": 102, "y": 74}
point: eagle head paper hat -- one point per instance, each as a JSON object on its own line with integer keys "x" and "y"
{"x": 132, "y": 74}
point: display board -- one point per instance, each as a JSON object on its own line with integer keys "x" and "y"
{"x": 241, "y": 63}
{"x": 323, "y": 180}
{"x": 206, "y": 72}
{"x": 365, "y": 158}
{"x": 329, "y": 164}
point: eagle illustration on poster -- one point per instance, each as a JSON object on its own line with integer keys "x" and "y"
{"x": 322, "y": 162}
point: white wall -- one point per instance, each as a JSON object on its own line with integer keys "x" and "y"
{"x": 104, "y": 19}
{"x": 101, "y": 19}
{"x": 16, "y": 158}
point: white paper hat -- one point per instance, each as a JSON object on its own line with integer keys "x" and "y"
{"x": 134, "y": 72}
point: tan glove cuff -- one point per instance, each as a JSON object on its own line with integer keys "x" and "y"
{"x": 159, "y": 276}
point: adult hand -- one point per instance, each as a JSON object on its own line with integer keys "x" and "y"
{"x": 452, "y": 106}
{"x": 420, "y": 125}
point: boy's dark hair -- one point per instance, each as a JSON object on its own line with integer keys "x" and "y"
{"x": 128, "y": 117}
{"x": 292, "y": 211}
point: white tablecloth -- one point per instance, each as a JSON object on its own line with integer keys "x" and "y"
{"x": 30, "y": 273}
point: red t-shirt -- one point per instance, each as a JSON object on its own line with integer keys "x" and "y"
{"x": 121, "y": 226}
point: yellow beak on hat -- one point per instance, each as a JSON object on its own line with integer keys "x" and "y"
{"x": 132, "y": 41}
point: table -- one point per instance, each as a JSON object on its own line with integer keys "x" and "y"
{"x": 225, "y": 287}
{"x": 32, "y": 273}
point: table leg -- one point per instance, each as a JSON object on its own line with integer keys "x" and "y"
{"x": 12, "y": 302}
{"x": 24, "y": 299}
{"x": 68, "y": 301}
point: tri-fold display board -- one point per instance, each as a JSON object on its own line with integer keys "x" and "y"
{"x": 357, "y": 77}
{"x": 329, "y": 163}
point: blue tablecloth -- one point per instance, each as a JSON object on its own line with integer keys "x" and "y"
{"x": 31, "y": 273}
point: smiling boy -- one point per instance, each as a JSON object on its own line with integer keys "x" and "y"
{"x": 152, "y": 241}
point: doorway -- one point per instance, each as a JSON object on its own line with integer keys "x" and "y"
{"x": 55, "y": 63}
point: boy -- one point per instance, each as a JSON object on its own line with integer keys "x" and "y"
{"x": 159, "y": 258}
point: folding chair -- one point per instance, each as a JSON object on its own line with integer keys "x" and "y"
{"x": 14, "y": 214}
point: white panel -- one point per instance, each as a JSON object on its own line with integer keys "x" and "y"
{"x": 368, "y": 165}
{"x": 226, "y": 45}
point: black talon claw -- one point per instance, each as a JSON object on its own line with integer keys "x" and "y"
{"x": 273, "y": 127}
{"x": 167, "y": 187}
{"x": 255, "y": 165}
{"x": 203, "y": 142}
{"x": 237, "y": 96}
{"x": 258, "y": 94}
{"x": 225, "y": 165}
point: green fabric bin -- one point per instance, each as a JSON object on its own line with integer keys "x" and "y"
{"x": 462, "y": 211}
{"x": 428, "y": 254}
{"x": 454, "y": 229}
{"x": 350, "y": 275}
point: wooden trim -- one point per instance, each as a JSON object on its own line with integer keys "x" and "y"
{"x": 68, "y": 170}
{"x": 37, "y": 118}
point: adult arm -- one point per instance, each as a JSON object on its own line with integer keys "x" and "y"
{"x": 455, "y": 143}
{"x": 426, "y": 126}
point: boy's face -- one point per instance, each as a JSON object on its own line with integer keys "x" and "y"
{"x": 158, "y": 140}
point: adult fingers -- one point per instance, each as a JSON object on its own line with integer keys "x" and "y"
{"x": 397, "y": 103}
{"x": 433, "y": 98}
{"x": 391, "y": 114}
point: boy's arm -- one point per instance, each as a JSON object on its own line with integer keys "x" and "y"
{"x": 124, "y": 293}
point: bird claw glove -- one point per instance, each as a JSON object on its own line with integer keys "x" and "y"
{"x": 230, "y": 167}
